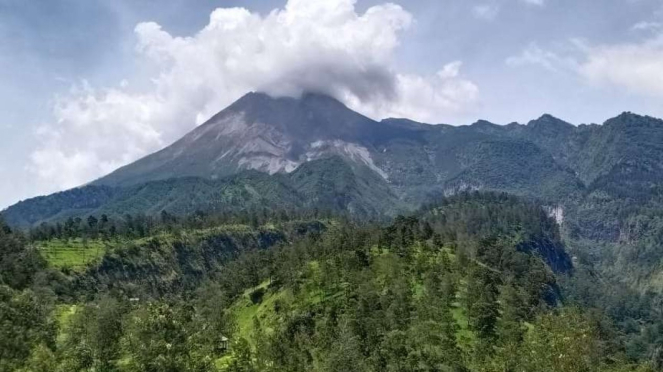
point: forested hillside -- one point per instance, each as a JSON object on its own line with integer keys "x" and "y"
{"x": 330, "y": 185}
{"x": 577, "y": 241}
{"x": 476, "y": 282}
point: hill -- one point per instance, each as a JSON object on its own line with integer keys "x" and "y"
{"x": 263, "y": 153}
{"x": 330, "y": 185}
{"x": 472, "y": 283}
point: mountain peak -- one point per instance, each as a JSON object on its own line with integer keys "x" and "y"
{"x": 549, "y": 123}
{"x": 307, "y": 119}
{"x": 549, "y": 119}
{"x": 485, "y": 126}
{"x": 306, "y": 98}
{"x": 483, "y": 123}
{"x": 265, "y": 133}
{"x": 630, "y": 116}
{"x": 630, "y": 119}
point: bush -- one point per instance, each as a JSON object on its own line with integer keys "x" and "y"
{"x": 257, "y": 295}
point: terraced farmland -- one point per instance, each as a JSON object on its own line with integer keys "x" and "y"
{"x": 74, "y": 254}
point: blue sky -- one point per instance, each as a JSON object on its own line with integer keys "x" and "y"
{"x": 89, "y": 85}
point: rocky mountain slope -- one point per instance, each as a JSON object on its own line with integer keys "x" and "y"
{"x": 586, "y": 172}
{"x": 327, "y": 185}
{"x": 604, "y": 183}
{"x": 277, "y": 135}
{"x": 260, "y": 133}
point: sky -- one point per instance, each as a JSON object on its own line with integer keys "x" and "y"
{"x": 87, "y": 86}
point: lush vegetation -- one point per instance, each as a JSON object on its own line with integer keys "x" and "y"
{"x": 606, "y": 178}
{"x": 243, "y": 271}
{"x": 324, "y": 187}
{"x": 477, "y": 282}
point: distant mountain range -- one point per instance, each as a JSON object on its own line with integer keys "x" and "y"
{"x": 314, "y": 152}
{"x": 604, "y": 183}
{"x": 277, "y": 135}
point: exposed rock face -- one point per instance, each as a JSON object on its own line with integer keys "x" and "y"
{"x": 261, "y": 133}
{"x": 556, "y": 212}
{"x": 591, "y": 171}
{"x": 278, "y": 135}
{"x": 602, "y": 182}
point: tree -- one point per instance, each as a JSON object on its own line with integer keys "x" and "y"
{"x": 345, "y": 354}
{"x": 482, "y": 306}
{"x": 567, "y": 341}
{"x": 426, "y": 231}
{"x": 156, "y": 338}
{"x": 41, "y": 359}
{"x": 24, "y": 323}
{"x": 107, "y": 332}
{"x": 513, "y": 314}
{"x": 92, "y": 222}
{"x": 242, "y": 357}
{"x": 19, "y": 263}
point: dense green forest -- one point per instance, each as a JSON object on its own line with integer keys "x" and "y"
{"x": 474, "y": 282}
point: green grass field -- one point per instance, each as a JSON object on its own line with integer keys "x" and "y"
{"x": 245, "y": 311}
{"x": 74, "y": 254}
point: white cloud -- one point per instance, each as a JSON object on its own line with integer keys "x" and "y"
{"x": 323, "y": 46}
{"x": 636, "y": 67}
{"x": 486, "y": 11}
{"x": 489, "y": 10}
{"x": 446, "y": 91}
{"x": 549, "y": 60}
{"x": 95, "y": 132}
{"x": 647, "y": 26}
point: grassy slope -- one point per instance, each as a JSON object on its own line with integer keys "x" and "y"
{"x": 73, "y": 254}
{"x": 76, "y": 254}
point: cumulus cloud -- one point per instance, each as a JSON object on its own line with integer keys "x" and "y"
{"x": 636, "y": 66}
{"x": 445, "y": 91}
{"x": 321, "y": 46}
{"x": 96, "y": 131}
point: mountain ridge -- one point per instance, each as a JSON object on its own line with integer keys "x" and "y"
{"x": 548, "y": 158}
{"x": 350, "y": 188}
{"x": 257, "y": 132}
{"x": 277, "y": 135}
{"x": 273, "y": 154}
